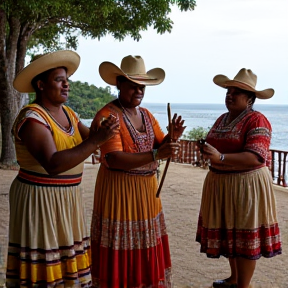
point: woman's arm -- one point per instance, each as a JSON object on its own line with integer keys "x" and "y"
{"x": 237, "y": 161}
{"x": 39, "y": 142}
{"x": 128, "y": 161}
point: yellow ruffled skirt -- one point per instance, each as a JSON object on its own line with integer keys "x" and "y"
{"x": 48, "y": 241}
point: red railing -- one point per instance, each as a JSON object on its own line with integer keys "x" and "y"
{"x": 279, "y": 168}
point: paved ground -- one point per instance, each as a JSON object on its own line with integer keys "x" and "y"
{"x": 181, "y": 196}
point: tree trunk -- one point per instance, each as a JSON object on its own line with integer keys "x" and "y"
{"x": 10, "y": 99}
{"x": 9, "y": 109}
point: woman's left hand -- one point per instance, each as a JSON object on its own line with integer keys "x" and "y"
{"x": 177, "y": 127}
{"x": 210, "y": 152}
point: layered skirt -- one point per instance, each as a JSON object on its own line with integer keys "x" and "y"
{"x": 128, "y": 234}
{"x": 238, "y": 216}
{"x": 48, "y": 240}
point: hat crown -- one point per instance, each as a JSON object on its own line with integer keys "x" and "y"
{"x": 246, "y": 80}
{"x": 247, "y": 77}
{"x": 132, "y": 68}
{"x": 133, "y": 65}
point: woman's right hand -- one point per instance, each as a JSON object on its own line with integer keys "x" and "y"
{"x": 103, "y": 131}
{"x": 167, "y": 150}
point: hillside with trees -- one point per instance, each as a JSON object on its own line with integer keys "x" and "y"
{"x": 87, "y": 99}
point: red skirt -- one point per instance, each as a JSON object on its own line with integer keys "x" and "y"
{"x": 129, "y": 240}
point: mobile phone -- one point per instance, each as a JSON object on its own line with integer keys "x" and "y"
{"x": 202, "y": 141}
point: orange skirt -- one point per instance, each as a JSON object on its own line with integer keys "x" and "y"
{"x": 129, "y": 240}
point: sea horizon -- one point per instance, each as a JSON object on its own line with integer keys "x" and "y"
{"x": 205, "y": 114}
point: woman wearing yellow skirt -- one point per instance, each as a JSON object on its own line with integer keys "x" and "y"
{"x": 129, "y": 240}
{"x": 48, "y": 241}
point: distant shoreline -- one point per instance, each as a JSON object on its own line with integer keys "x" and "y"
{"x": 204, "y": 115}
{"x": 220, "y": 104}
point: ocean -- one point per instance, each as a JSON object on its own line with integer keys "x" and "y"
{"x": 204, "y": 115}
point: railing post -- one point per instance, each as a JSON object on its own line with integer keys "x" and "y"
{"x": 284, "y": 169}
{"x": 279, "y": 167}
{"x": 188, "y": 153}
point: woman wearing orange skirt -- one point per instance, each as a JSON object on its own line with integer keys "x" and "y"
{"x": 129, "y": 239}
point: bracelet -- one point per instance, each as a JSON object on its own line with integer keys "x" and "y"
{"x": 222, "y": 157}
{"x": 154, "y": 154}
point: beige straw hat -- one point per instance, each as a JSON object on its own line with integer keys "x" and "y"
{"x": 133, "y": 68}
{"x": 62, "y": 58}
{"x": 246, "y": 80}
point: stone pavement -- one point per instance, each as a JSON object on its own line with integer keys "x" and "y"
{"x": 181, "y": 195}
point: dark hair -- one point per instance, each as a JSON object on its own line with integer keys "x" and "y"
{"x": 250, "y": 94}
{"x": 121, "y": 78}
{"x": 43, "y": 77}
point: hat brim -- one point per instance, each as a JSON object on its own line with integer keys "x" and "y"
{"x": 224, "y": 82}
{"x": 62, "y": 58}
{"x": 109, "y": 72}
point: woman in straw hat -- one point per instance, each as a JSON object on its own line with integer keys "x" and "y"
{"x": 48, "y": 242}
{"x": 128, "y": 235}
{"x": 238, "y": 211}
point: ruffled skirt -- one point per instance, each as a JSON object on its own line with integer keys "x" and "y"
{"x": 48, "y": 240}
{"x": 238, "y": 216}
{"x": 128, "y": 236}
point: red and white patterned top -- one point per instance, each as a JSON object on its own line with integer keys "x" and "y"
{"x": 250, "y": 131}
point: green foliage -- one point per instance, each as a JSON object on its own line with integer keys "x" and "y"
{"x": 87, "y": 99}
{"x": 196, "y": 133}
{"x": 55, "y": 24}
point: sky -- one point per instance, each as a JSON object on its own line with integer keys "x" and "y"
{"x": 218, "y": 37}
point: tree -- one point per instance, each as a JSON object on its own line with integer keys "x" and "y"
{"x": 26, "y": 26}
{"x": 88, "y": 99}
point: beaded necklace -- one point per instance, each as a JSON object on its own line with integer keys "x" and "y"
{"x": 57, "y": 123}
{"x": 127, "y": 117}
{"x": 142, "y": 140}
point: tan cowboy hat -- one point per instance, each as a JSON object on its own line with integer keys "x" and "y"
{"x": 62, "y": 58}
{"x": 133, "y": 68}
{"x": 246, "y": 80}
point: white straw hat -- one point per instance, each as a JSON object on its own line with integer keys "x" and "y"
{"x": 62, "y": 58}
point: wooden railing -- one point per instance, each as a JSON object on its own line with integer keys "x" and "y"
{"x": 279, "y": 167}
{"x": 188, "y": 154}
